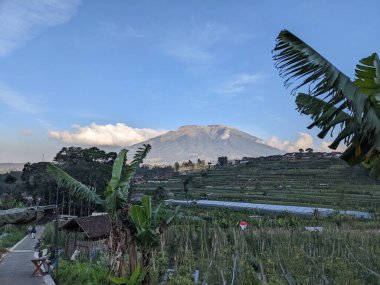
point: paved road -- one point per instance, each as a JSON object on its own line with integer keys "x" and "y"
{"x": 16, "y": 268}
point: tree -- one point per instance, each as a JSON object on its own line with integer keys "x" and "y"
{"x": 37, "y": 182}
{"x": 191, "y": 165}
{"x": 160, "y": 194}
{"x": 185, "y": 183}
{"x": 332, "y": 100}
{"x": 92, "y": 166}
{"x": 10, "y": 180}
{"x": 201, "y": 163}
{"x": 176, "y": 166}
{"x": 115, "y": 203}
{"x": 75, "y": 154}
{"x": 222, "y": 160}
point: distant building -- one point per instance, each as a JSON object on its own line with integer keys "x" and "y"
{"x": 336, "y": 154}
{"x": 289, "y": 156}
{"x": 235, "y": 161}
{"x": 274, "y": 157}
{"x": 248, "y": 158}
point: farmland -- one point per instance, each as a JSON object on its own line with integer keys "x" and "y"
{"x": 317, "y": 182}
{"x": 274, "y": 249}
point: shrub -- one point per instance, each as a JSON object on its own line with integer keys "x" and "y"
{"x": 49, "y": 234}
{"x": 10, "y": 235}
{"x": 3, "y": 250}
{"x": 181, "y": 280}
{"x": 79, "y": 273}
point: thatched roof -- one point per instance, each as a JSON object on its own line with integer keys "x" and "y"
{"x": 94, "y": 227}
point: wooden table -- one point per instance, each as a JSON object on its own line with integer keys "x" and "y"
{"x": 38, "y": 262}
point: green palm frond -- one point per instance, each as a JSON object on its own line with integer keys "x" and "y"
{"x": 332, "y": 99}
{"x": 146, "y": 222}
{"x": 300, "y": 64}
{"x": 325, "y": 116}
{"x": 76, "y": 188}
{"x": 368, "y": 80}
{"x": 117, "y": 190}
{"x": 136, "y": 278}
{"x": 129, "y": 170}
{"x": 141, "y": 216}
{"x": 368, "y": 76}
{"x": 117, "y": 168}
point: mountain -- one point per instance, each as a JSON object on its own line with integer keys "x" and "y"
{"x": 7, "y": 167}
{"x": 203, "y": 142}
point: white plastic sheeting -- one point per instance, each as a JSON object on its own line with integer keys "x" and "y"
{"x": 268, "y": 208}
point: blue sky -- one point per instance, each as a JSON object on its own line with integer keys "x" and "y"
{"x": 117, "y": 72}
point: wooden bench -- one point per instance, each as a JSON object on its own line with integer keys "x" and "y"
{"x": 38, "y": 263}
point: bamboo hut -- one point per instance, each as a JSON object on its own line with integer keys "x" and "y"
{"x": 86, "y": 234}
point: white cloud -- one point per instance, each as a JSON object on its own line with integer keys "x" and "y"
{"x": 325, "y": 146}
{"x": 239, "y": 83}
{"x": 21, "y": 20}
{"x": 16, "y": 101}
{"x": 106, "y": 135}
{"x": 303, "y": 141}
{"x": 121, "y": 31}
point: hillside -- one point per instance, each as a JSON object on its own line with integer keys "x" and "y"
{"x": 319, "y": 182}
{"x": 204, "y": 142}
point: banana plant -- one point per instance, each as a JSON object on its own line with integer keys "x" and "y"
{"x": 136, "y": 278}
{"x": 149, "y": 227}
{"x": 114, "y": 201}
{"x": 333, "y": 100}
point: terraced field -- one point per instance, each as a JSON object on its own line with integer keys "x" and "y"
{"x": 316, "y": 182}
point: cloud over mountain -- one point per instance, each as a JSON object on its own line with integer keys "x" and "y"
{"x": 303, "y": 141}
{"x": 105, "y": 135}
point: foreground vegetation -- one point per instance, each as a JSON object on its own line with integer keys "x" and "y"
{"x": 10, "y": 235}
{"x": 71, "y": 273}
{"x": 277, "y": 250}
{"x": 277, "y": 254}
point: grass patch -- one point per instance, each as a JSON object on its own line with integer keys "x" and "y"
{"x": 10, "y": 235}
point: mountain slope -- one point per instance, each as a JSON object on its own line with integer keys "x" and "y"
{"x": 7, "y": 167}
{"x": 204, "y": 142}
